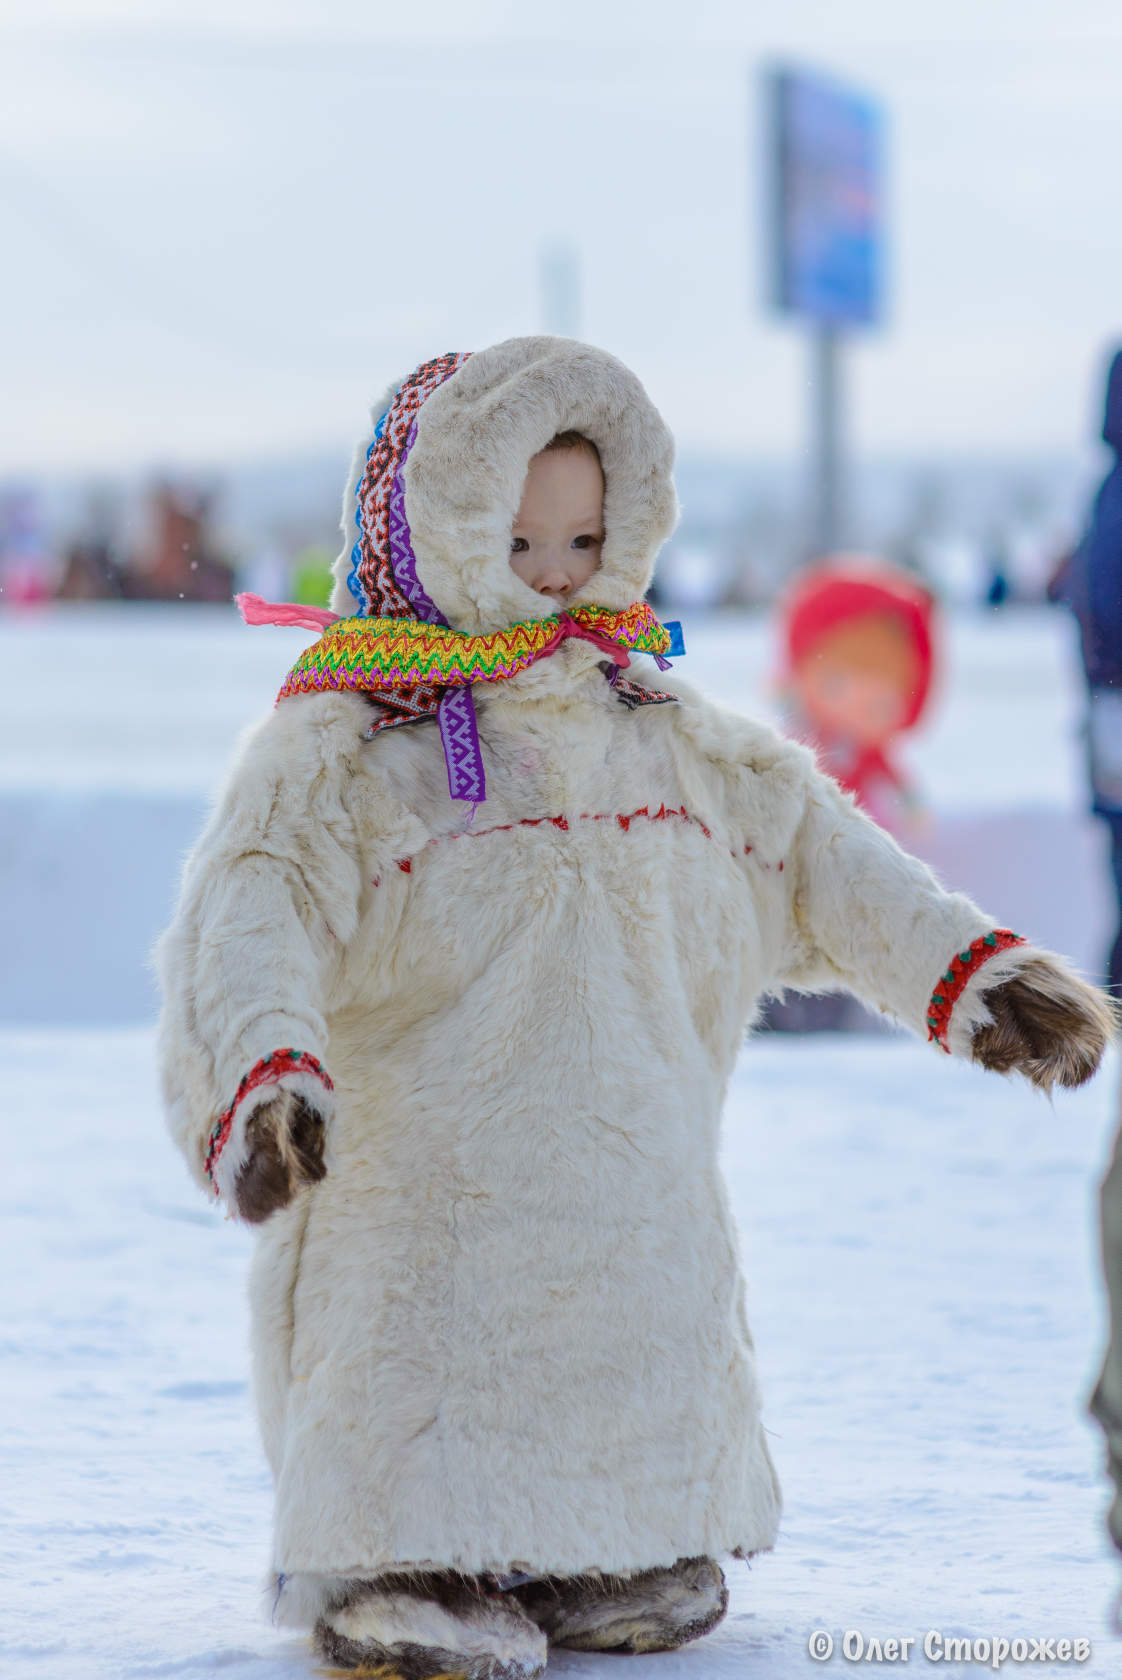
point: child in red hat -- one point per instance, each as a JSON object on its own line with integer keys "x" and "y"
{"x": 858, "y": 641}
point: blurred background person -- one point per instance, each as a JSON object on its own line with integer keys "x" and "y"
{"x": 178, "y": 559}
{"x": 93, "y": 566}
{"x": 1090, "y": 582}
{"x": 1106, "y": 1401}
{"x": 859, "y": 661}
{"x": 28, "y": 568}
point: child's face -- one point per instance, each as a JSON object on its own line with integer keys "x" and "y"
{"x": 858, "y": 681}
{"x": 558, "y": 531}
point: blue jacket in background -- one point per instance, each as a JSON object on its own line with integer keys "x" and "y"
{"x": 1095, "y": 590}
{"x": 1090, "y": 583}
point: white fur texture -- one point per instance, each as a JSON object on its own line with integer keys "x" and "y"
{"x": 268, "y": 900}
{"x": 300, "y": 1600}
{"x": 464, "y": 475}
{"x": 508, "y": 1330}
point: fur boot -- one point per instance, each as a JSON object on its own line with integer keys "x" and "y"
{"x": 416, "y": 1626}
{"x": 654, "y": 1610}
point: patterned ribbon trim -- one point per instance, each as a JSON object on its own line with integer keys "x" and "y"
{"x": 268, "y": 1071}
{"x": 953, "y": 982}
{"x": 390, "y": 597}
{"x": 383, "y": 576}
{"x": 376, "y": 654}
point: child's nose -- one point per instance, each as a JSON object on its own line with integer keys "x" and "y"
{"x": 554, "y": 579}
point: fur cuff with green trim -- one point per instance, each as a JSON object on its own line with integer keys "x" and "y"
{"x": 1017, "y": 1009}
{"x": 964, "y": 965}
{"x": 227, "y": 1148}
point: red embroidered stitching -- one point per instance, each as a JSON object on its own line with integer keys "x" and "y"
{"x": 624, "y": 819}
{"x": 952, "y": 984}
{"x": 268, "y": 1071}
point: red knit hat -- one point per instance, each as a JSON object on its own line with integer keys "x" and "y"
{"x": 836, "y": 591}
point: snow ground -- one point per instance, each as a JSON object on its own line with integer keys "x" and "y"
{"x": 923, "y": 1292}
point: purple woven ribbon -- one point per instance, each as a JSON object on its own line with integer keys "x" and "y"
{"x": 459, "y": 727}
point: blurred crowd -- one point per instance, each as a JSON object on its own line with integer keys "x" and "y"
{"x": 174, "y": 557}
{"x": 170, "y": 551}
{"x": 171, "y": 542}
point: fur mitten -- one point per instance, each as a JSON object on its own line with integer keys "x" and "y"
{"x": 275, "y": 1147}
{"x": 1041, "y": 1021}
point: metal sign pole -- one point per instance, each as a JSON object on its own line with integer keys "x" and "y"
{"x": 826, "y": 251}
{"x": 828, "y": 531}
{"x": 560, "y": 281}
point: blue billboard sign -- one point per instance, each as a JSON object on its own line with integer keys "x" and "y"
{"x": 827, "y": 235}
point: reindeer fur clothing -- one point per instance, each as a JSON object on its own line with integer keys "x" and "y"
{"x": 507, "y": 1331}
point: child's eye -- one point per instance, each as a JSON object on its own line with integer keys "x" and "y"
{"x": 518, "y": 545}
{"x": 587, "y": 542}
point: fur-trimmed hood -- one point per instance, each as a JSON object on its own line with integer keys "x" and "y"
{"x": 477, "y": 421}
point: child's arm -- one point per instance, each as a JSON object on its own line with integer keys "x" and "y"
{"x": 269, "y": 900}
{"x": 871, "y": 919}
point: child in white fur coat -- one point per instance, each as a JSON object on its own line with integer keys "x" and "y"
{"x": 460, "y": 970}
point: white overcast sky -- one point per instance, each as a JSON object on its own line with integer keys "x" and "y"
{"x": 227, "y": 223}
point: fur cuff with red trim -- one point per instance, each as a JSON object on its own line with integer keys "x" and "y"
{"x": 227, "y": 1149}
{"x": 963, "y": 968}
{"x": 1017, "y": 1009}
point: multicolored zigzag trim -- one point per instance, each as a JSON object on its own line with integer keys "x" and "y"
{"x": 383, "y": 577}
{"x": 396, "y": 653}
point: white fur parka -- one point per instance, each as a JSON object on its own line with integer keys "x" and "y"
{"x": 507, "y": 1329}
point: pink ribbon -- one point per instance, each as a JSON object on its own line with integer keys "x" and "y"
{"x": 255, "y": 610}
{"x": 570, "y": 627}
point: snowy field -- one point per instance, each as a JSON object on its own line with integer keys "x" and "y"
{"x": 919, "y": 1239}
{"x": 918, "y": 1246}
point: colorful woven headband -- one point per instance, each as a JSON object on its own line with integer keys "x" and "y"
{"x": 400, "y": 648}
